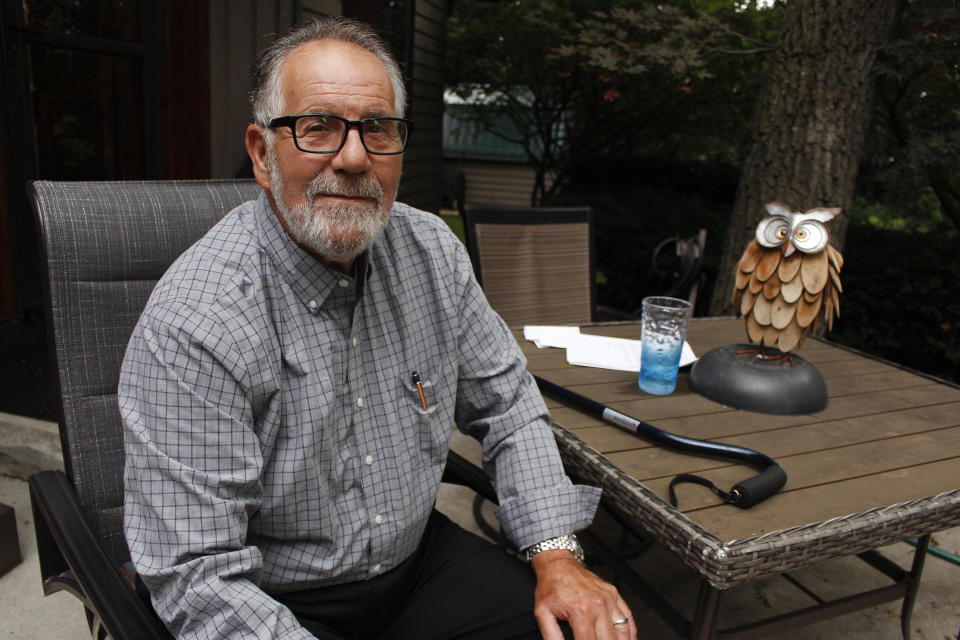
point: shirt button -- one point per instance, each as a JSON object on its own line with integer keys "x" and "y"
{"x": 377, "y": 568}
{"x": 355, "y": 341}
{"x": 344, "y": 282}
{"x": 360, "y": 402}
{"x": 312, "y": 304}
{"x": 378, "y": 519}
{"x": 368, "y": 460}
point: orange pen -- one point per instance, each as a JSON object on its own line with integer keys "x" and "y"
{"x": 416, "y": 380}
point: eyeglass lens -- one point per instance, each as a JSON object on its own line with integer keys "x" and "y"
{"x": 327, "y": 133}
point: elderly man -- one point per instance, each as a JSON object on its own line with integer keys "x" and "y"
{"x": 289, "y": 393}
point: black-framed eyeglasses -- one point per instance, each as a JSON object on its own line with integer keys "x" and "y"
{"x": 323, "y": 133}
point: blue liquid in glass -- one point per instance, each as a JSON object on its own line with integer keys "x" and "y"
{"x": 658, "y": 367}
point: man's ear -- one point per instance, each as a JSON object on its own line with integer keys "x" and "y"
{"x": 257, "y": 150}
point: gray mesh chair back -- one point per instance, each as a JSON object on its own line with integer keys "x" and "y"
{"x": 106, "y": 244}
{"x": 535, "y": 264}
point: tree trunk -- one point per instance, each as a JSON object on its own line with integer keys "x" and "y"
{"x": 811, "y": 120}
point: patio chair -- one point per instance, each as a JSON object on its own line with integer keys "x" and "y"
{"x": 679, "y": 264}
{"x": 105, "y": 245}
{"x": 535, "y": 264}
{"x": 682, "y": 268}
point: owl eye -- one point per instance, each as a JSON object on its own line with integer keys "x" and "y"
{"x": 811, "y": 236}
{"x": 773, "y": 231}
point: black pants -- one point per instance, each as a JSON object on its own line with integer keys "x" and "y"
{"x": 456, "y": 585}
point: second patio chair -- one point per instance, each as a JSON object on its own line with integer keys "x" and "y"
{"x": 535, "y": 264}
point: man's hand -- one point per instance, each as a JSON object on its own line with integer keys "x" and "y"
{"x": 566, "y": 590}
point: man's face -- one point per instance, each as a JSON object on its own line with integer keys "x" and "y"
{"x": 334, "y": 204}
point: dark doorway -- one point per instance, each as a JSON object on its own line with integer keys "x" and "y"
{"x": 89, "y": 90}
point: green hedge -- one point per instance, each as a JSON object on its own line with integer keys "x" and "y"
{"x": 901, "y": 298}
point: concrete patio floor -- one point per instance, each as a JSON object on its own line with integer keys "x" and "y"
{"x": 25, "y": 614}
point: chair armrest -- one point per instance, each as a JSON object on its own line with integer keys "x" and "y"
{"x": 466, "y": 474}
{"x": 66, "y": 545}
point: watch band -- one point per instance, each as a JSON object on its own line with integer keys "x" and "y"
{"x": 568, "y": 542}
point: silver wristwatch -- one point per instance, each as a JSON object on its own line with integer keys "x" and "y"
{"x": 569, "y": 542}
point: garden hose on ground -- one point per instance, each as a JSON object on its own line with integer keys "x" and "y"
{"x": 937, "y": 551}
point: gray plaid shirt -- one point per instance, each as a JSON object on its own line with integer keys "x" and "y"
{"x": 275, "y": 440}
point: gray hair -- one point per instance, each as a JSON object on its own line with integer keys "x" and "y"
{"x": 266, "y": 99}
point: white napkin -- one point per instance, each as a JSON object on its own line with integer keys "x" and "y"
{"x": 587, "y": 350}
{"x": 550, "y": 336}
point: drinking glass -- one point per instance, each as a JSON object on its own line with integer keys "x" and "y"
{"x": 664, "y": 327}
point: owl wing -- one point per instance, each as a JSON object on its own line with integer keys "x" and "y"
{"x": 748, "y": 262}
{"x": 831, "y": 305}
{"x": 782, "y": 298}
{"x": 755, "y": 289}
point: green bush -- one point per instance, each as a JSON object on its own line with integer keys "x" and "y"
{"x": 901, "y": 298}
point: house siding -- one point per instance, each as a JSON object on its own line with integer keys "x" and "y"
{"x": 239, "y": 29}
{"x": 423, "y": 163}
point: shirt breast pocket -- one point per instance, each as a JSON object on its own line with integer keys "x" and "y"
{"x": 429, "y": 407}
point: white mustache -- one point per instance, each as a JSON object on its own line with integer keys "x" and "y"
{"x": 341, "y": 185}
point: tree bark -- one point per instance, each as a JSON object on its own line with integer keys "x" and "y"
{"x": 811, "y": 120}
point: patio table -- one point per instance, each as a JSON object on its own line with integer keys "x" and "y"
{"x": 880, "y": 464}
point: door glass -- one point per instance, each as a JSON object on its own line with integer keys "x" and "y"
{"x": 111, "y": 19}
{"x": 88, "y": 122}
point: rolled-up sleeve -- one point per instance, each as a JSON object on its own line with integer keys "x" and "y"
{"x": 498, "y": 402}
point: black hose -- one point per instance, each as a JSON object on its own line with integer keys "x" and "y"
{"x": 743, "y": 494}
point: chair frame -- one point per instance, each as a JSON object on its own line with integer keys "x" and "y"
{"x": 687, "y": 281}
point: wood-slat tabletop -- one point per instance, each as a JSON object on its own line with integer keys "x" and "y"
{"x": 887, "y": 436}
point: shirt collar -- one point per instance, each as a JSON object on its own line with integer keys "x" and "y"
{"x": 311, "y": 280}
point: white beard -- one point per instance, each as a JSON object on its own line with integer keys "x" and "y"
{"x": 337, "y": 232}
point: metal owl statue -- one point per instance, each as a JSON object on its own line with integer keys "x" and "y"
{"x": 788, "y": 279}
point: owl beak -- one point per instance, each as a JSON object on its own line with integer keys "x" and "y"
{"x": 787, "y": 248}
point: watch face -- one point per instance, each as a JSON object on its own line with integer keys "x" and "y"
{"x": 577, "y": 551}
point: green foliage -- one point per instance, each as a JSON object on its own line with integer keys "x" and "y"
{"x": 901, "y": 279}
{"x": 612, "y": 78}
{"x": 497, "y": 54}
{"x": 901, "y": 298}
{"x": 914, "y": 144}
{"x": 628, "y": 40}
{"x": 645, "y": 111}
{"x": 455, "y": 222}
{"x": 923, "y": 215}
